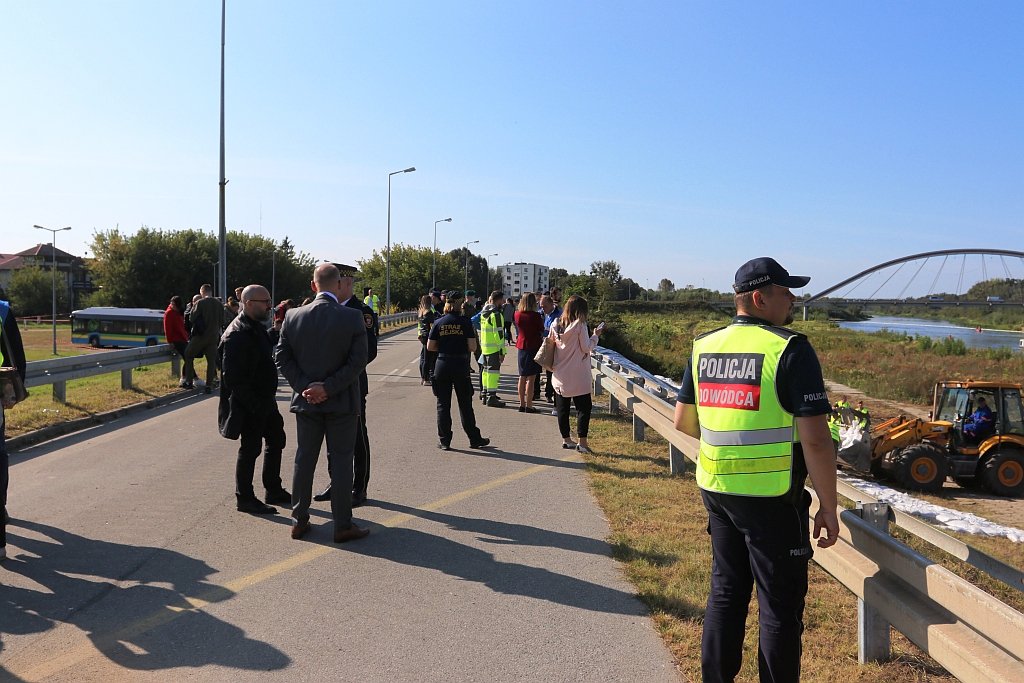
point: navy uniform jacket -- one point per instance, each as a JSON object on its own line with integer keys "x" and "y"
{"x": 370, "y": 320}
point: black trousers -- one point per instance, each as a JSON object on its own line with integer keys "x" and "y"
{"x": 762, "y": 540}
{"x": 4, "y": 481}
{"x": 360, "y": 459}
{"x": 452, "y": 375}
{"x": 427, "y": 361}
{"x": 254, "y": 433}
{"x": 584, "y": 406}
{"x": 361, "y": 462}
{"x": 549, "y": 391}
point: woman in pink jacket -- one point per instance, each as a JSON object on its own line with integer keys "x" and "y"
{"x": 571, "y": 374}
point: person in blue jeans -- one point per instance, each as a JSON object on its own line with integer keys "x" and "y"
{"x": 13, "y": 354}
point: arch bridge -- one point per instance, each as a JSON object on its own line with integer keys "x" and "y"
{"x": 933, "y": 298}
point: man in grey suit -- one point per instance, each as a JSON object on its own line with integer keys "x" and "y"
{"x": 321, "y": 352}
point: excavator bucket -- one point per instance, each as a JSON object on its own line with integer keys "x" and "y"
{"x": 855, "y": 441}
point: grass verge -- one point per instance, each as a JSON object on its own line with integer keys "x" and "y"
{"x": 658, "y": 534}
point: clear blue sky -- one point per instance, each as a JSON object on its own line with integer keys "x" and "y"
{"x": 678, "y": 138}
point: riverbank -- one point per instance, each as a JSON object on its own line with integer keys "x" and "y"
{"x": 886, "y": 365}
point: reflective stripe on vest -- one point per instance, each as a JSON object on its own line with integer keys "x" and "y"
{"x": 492, "y": 332}
{"x": 746, "y": 436}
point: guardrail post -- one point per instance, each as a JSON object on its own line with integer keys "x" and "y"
{"x": 126, "y": 379}
{"x": 638, "y": 428}
{"x": 175, "y": 366}
{"x": 598, "y": 389}
{"x": 613, "y": 404}
{"x": 676, "y": 460}
{"x": 872, "y": 629}
{"x": 60, "y": 392}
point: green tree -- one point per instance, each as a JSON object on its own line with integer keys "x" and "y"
{"x": 581, "y": 284}
{"x": 665, "y": 286}
{"x": 410, "y": 274}
{"x": 147, "y": 268}
{"x": 31, "y": 292}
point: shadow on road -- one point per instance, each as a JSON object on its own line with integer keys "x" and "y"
{"x": 420, "y": 549}
{"x": 135, "y": 603}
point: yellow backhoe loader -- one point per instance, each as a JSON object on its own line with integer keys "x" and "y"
{"x": 975, "y": 435}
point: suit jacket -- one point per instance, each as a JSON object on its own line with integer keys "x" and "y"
{"x": 323, "y": 342}
{"x": 370, "y": 320}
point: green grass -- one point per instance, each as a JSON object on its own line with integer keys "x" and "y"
{"x": 883, "y": 365}
{"x": 658, "y": 532}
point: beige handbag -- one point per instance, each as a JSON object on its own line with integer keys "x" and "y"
{"x": 546, "y": 354}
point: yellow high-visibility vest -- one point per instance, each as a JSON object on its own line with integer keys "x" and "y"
{"x": 746, "y": 436}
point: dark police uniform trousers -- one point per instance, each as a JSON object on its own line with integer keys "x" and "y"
{"x": 452, "y": 372}
{"x": 764, "y": 541}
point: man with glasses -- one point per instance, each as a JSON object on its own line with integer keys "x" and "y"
{"x": 248, "y": 404}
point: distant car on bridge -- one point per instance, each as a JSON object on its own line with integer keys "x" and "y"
{"x": 936, "y": 298}
{"x": 994, "y": 299}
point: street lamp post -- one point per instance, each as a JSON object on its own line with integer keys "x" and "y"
{"x": 53, "y": 270}
{"x": 487, "y": 274}
{"x": 467, "y": 263}
{"x": 387, "y": 254}
{"x": 433, "y": 268}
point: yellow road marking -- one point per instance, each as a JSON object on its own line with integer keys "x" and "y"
{"x": 218, "y": 593}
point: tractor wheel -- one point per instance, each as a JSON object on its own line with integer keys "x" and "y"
{"x": 1003, "y": 473}
{"x": 922, "y": 467}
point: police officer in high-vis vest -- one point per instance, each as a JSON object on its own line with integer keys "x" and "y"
{"x": 754, "y": 396}
{"x": 492, "y": 349}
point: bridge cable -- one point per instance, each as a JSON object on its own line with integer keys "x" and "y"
{"x": 887, "y": 280}
{"x": 960, "y": 282}
{"x": 1006, "y": 268}
{"x": 984, "y": 269}
{"x": 936, "y": 280}
{"x": 912, "y": 278}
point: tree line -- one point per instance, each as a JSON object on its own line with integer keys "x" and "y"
{"x": 148, "y": 267}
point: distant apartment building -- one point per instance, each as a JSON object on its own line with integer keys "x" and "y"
{"x": 524, "y": 277}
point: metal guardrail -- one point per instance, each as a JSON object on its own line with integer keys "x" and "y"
{"x": 59, "y": 371}
{"x": 975, "y": 636}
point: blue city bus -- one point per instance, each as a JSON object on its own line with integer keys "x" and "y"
{"x": 117, "y": 327}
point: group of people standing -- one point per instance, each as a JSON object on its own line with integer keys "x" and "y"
{"x": 321, "y": 349}
{"x": 450, "y": 338}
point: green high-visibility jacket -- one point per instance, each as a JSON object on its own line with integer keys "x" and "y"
{"x": 492, "y": 332}
{"x": 746, "y": 436}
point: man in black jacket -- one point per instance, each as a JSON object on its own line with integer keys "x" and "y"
{"x": 361, "y": 464}
{"x": 248, "y": 407}
{"x": 12, "y": 354}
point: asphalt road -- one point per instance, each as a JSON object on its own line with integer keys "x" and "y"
{"x": 128, "y": 561}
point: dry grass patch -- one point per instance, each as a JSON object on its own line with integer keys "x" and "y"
{"x": 92, "y": 395}
{"x": 659, "y": 534}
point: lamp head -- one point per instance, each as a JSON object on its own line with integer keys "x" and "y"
{"x": 409, "y": 170}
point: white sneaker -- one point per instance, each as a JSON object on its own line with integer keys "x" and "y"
{"x": 554, "y": 412}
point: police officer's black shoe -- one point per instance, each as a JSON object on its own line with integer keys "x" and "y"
{"x": 494, "y": 402}
{"x": 254, "y": 507}
{"x": 280, "y": 497}
{"x": 444, "y": 445}
{"x": 323, "y": 495}
{"x": 482, "y": 443}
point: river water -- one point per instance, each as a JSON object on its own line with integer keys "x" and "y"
{"x": 940, "y": 329}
